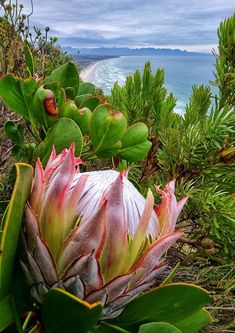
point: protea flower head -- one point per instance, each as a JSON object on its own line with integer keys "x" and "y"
{"x": 93, "y": 234}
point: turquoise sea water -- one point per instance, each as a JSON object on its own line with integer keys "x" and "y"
{"x": 181, "y": 72}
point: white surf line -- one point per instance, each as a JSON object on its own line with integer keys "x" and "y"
{"x": 86, "y": 74}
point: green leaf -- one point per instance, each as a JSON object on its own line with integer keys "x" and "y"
{"x": 6, "y": 317}
{"x": 80, "y": 98}
{"x": 28, "y": 88}
{"x": 63, "y": 312}
{"x": 17, "y": 94}
{"x": 105, "y": 327}
{"x": 135, "y": 153}
{"x": 106, "y": 129}
{"x": 170, "y": 303}
{"x": 44, "y": 107}
{"x": 28, "y": 58}
{"x": 14, "y": 132}
{"x": 70, "y": 92}
{"x": 90, "y": 103}
{"x": 12, "y": 224}
{"x": 135, "y": 134}
{"x": 59, "y": 92}
{"x": 81, "y": 117}
{"x": 158, "y": 328}
{"x": 61, "y": 135}
{"x": 195, "y": 322}
{"x": 86, "y": 88}
{"x": 135, "y": 145}
{"x": 20, "y": 289}
{"x": 67, "y": 75}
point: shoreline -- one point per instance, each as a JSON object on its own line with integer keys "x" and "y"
{"x": 87, "y": 71}
{"x": 88, "y": 63}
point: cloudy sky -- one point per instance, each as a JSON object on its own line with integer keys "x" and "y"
{"x": 184, "y": 24}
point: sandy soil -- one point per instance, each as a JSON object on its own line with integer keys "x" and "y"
{"x": 87, "y": 73}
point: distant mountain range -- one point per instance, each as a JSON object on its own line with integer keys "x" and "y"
{"x": 125, "y": 51}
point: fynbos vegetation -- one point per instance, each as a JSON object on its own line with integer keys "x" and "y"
{"x": 81, "y": 249}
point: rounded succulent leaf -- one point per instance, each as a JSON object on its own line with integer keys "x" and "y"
{"x": 170, "y": 303}
{"x": 135, "y": 145}
{"x": 158, "y": 328}
{"x": 62, "y": 312}
{"x": 106, "y": 129}
{"x": 81, "y": 117}
{"x": 44, "y": 107}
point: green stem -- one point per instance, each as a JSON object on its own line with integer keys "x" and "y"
{"x": 87, "y": 155}
{"x": 33, "y": 329}
{"x": 86, "y": 144}
{"x": 91, "y": 158}
{"x": 117, "y": 328}
{"x": 27, "y": 320}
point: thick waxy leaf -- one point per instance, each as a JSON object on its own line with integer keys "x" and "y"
{"x": 67, "y": 75}
{"x": 14, "y": 132}
{"x": 28, "y": 58}
{"x": 135, "y": 145}
{"x": 12, "y": 225}
{"x": 6, "y": 315}
{"x": 158, "y": 328}
{"x": 171, "y": 303}
{"x": 17, "y": 94}
{"x": 61, "y": 135}
{"x": 90, "y": 103}
{"x": 44, "y": 107}
{"x": 63, "y": 312}
{"x": 136, "y": 153}
{"x": 86, "y": 88}
{"x": 28, "y": 89}
{"x": 106, "y": 129}
{"x": 80, "y": 98}
{"x": 146, "y": 328}
{"x": 59, "y": 92}
{"x": 81, "y": 117}
{"x": 135, "y": 134}
{"x": 195, "y": 322}
{"x": 70, "y": 92}
{"x": 107, "y": 328}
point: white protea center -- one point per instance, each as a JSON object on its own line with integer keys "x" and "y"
{"x": 94, "y": 234}
{"x": 98, "y": 183}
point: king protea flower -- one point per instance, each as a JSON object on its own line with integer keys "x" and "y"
{"x": 93, "y": 234}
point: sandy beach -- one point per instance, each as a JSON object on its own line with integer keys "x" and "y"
{"x": 86, "y": 73}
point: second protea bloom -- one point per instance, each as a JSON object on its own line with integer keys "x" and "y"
{"x": 93, "y": 234}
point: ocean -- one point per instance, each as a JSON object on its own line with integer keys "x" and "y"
{"x": 181, "y": 72}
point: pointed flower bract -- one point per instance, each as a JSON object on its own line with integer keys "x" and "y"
{"x": 93, "y": 234}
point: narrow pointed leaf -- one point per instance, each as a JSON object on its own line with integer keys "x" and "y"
{"x": 12, "y": 224}
{"x": 6, "y": 315}
{"x": 28, "y": 58}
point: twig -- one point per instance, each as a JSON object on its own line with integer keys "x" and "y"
{"x": 220, "y": 308}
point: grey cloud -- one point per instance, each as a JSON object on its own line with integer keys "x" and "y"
{"x": 92, "y": 23}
